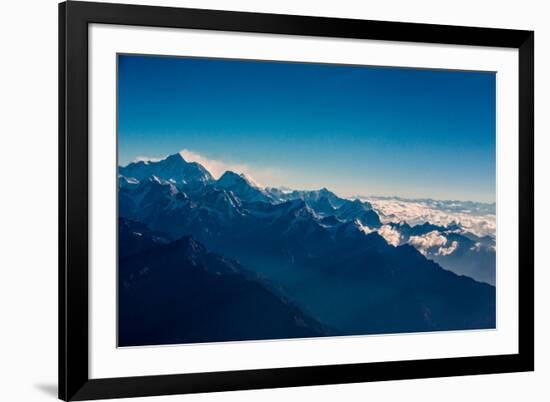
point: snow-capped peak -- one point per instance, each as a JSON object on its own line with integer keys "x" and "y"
{"x": 230, "y": 179}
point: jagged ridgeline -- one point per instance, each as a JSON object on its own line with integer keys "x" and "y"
{"x": 210, "y": 260}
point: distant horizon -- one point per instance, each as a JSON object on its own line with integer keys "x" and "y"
{"x": 407, "y": 133}
{"x": 350, "y": 196}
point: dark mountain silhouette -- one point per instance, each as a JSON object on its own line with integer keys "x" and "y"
{"x": 358, "y": 210}
{"x": 181, "y": 293}
{"x": 385, "y": 289}
{"x": 136, "y": 237}
{"x": 322, "y": 206}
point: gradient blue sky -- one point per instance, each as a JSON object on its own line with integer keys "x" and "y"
{"x": 352, "y": 129}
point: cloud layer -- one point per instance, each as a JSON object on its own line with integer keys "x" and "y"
{"x": 420, "y": 211}
{"x": 429, "y": 240}
{"x": 260, "y": 176}
{"x": 391, "y": 235}
{"x": 448, "y": 250}
{"x": 214, "y": 166}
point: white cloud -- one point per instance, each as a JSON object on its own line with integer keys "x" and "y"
{"x": 429, "y": 240}
{"x": 214, "y": 166}
{"x": 448, "y": 250}
{"x": 418, "y": 212}
{"x": 391, "y": 235}
{"x": 261, "y": 177}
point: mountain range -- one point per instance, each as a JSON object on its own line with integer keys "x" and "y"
{"x": 198, "y": 252}
{"x": 178, "y": 292}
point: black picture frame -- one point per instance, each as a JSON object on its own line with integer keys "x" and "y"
{"x": 74, "y": 381}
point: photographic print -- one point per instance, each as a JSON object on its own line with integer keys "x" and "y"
{"x": 279, "y": 200}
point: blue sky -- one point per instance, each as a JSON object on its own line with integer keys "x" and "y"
{"x": 352, "y": 129}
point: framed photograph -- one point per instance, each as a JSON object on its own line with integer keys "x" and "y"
{"x": 256, "y": 200}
